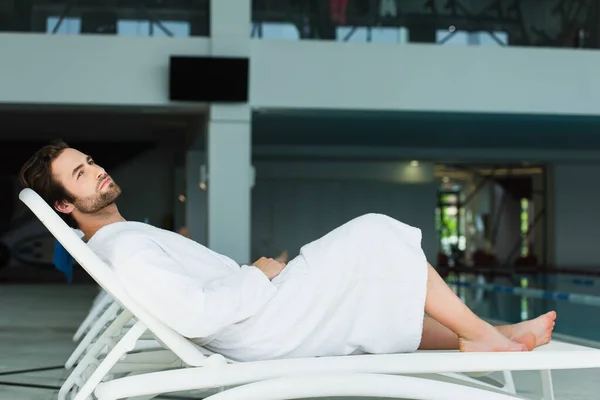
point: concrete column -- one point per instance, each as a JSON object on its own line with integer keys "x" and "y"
{"x": 229, "y": 141}
{"x": 229, "y": 186}
{"x": 230, "y": 27}
{"x": 576, "y": 215}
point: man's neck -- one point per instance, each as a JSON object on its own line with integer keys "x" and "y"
{"x": 89, "y": 224}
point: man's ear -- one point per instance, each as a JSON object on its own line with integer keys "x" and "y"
{"x": 64, "y": 207}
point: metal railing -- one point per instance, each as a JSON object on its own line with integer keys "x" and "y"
{"x": 565, "y": 23}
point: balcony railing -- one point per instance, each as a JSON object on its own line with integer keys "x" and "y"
{"x": 542, "y": 23}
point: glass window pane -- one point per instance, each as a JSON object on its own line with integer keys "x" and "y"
{"x": 358, "y": 35}
{"x": 459, "y": 37}
{"x": 465, "y": 38}
{"x": 378, "y": 34}
{"x": 68, "y": 26}
{"x": 131, "y": 27}
{"x": 389, "y": 35}
{"x": 177, "y": 28}
{"x": 272, "y": 30}
{"x": 486, "y": 39}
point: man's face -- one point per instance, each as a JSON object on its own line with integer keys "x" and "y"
{"x": 88, "y": 183}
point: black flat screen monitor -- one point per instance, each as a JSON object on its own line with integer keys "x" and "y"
{"x": 208, "y": 79}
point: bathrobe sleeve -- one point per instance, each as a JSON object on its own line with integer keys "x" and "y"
{"x": 191, "y": 306}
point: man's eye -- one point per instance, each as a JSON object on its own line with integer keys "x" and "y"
{"x": 79, "y": 173}
{"x": 91, "y": 162}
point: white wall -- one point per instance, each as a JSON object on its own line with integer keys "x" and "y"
{"x": 133, "y": 71}
{"x": 574, "y": 220}
{"x": 287, "y": 214}
{"x": 576, "y": 215}
{"x": 89, "y": 69}
{"x": 370, "y": 76}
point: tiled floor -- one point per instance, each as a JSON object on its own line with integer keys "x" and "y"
{"x": 37, "y": 323}
{"x": 36, "y": 327}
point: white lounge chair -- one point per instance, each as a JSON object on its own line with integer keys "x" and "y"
{"x": 100, "y": 304}
{"x": 194, "y": 368}
{"x": 97, "y": 321}
{"x": 145, "y": 357}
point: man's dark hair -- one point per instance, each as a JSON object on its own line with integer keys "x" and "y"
{"x": 36, "y": 174}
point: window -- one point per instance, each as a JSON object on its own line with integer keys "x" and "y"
{"x": 273, "y": 30}
{"x": 361, "y": 34}
{"x": 464, "y": 38}
{"x": 68, "y": 26}
{"x": 131, "y": 27}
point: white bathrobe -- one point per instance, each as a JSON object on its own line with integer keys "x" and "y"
{"x": 359, "y": 289}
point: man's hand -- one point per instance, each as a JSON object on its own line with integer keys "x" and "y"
{"x": 271, "y": 268}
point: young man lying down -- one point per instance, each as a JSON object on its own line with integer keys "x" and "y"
{"x": 365, "y": 287}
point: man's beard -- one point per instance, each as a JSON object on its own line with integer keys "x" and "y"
{"x": 93, "y": 204}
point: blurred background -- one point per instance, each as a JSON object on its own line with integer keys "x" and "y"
{"x": 476, "y": 121}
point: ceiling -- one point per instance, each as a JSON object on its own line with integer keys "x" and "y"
{"x": 95, "y": 131}
{"x": 85, "y": 124}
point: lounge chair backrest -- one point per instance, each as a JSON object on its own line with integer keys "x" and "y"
{"x": 107, "y": 279}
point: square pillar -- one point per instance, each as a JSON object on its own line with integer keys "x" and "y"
{"x": 229, "y": 144}
{"x": 230, "y": 181}
{"x": 230, "y": 22}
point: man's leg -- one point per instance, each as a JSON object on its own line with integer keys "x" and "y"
{"x": 540, "y": 327}
{"x": 532, "y": 333}
{"x": 473, "y": 333}
{"x": 437, "y": 337}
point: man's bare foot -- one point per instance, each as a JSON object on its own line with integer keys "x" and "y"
{"x": 489, "y": 339}
{"x": 541, "y": 327}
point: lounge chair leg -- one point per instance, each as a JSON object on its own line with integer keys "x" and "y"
{"x": 126, "y": 344}
{"x": 547, "y": 388}
{"x": 509, "y": 383}
{"x": 91, "y": 354}
{"x": 109, "y": 315}
{"x": 96, "y": 311}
